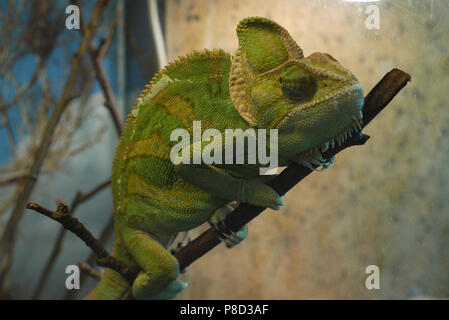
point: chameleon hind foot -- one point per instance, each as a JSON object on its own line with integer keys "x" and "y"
{"x": 173, "y": 290}
{"x": 229, "y": 237}
{"x": 158, "y": 278}
{"x": 144, "y": 283}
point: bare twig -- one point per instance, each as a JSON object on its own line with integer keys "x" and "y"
{"x": 13, "y": 178}
{"x": 81, "y": 197}
{"x": 96, "y": 56}
{"x": 103, "y": 80}
{"x": 72, "y": 224}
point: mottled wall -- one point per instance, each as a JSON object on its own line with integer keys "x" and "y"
{"x": 384, "y": 203}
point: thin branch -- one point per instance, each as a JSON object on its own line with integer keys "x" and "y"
{"x": 103, "y": 80}
{"x": 13, "y": 178}
{"x": 81, "y": 197}
{"x": 9, "y": 133}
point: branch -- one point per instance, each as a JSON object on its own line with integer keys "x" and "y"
{"x": 375, "y": 102}
{"x": 103, "y": 80}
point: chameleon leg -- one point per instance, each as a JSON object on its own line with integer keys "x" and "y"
{"x": 160, "y": 269}
{"x": 230, "y": 238}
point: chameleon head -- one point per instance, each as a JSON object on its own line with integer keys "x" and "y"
{"x": 313, "y": 102}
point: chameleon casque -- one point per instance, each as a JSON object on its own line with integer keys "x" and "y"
{"x": 313, "y": 102}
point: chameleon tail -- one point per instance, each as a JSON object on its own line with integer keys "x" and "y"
{"x": 111, "y": 287}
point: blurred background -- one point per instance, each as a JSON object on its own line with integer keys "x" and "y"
{"x": 382, "y": 204}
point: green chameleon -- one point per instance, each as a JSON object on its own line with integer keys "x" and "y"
{"x": 314, "y": 103}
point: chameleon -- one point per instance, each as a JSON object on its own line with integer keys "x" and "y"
{"x": 313, "y": 102}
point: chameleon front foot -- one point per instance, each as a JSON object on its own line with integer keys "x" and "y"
{"x": 182, "y": 244}
{"x": 314, "y": 160}
{"x": 229, "y": 237}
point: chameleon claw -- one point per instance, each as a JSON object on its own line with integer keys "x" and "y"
{"x": 278, "y": 204}
{"x": 281, "y": 202}
{"x": 229, "y": 237}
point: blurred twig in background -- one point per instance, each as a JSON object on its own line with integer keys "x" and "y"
{"x": 32, "y": 29}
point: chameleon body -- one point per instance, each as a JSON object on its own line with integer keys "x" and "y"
{"x": 313, "y": 102}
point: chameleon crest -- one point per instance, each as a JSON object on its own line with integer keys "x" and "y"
{"x": 312, "y": 102}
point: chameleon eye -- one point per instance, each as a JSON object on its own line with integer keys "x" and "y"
{"x": 297, "y": 84}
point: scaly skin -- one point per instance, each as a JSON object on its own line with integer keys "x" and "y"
{"x": 313, "y": 102}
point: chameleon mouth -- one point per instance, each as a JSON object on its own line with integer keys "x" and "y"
{"x": 340, "y": 138}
